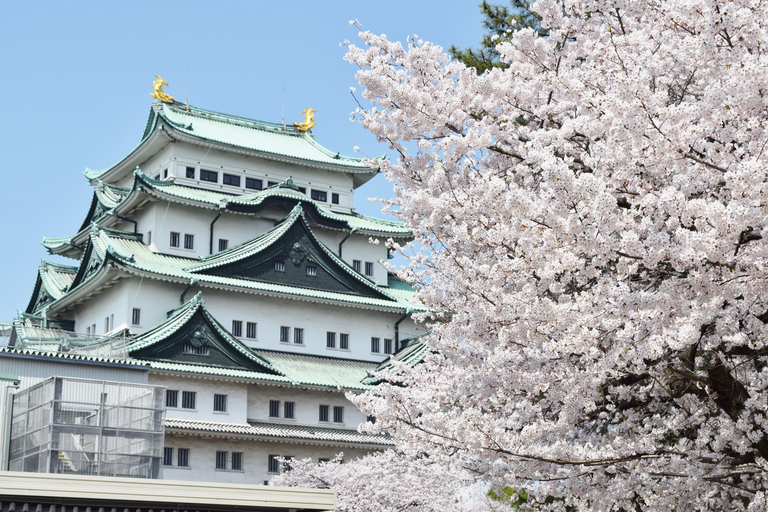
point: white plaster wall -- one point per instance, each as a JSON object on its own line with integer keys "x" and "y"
{"x": 270, "y": 313}
{"x": 202, "y": 457}
{"x": 253, "y": 167}
{"x": 237, "y": 398}
{"x": 358, "y": 247}
{"x": 307, "y": 408}
{"x": 152, "y": 166}
{"x": 111, "y": 301}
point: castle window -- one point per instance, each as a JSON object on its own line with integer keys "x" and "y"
{"x": 211, "y": 176}
{"x": 285, "y": 333}
{"x": 273, "y": 466}
{"x": 135, "y": 317}
{"x": 237, "y": 461}
{"x": 330, "y": 340}
{"x": 298, "y": 336}
{"x": 375, "y": 348}
{"x": 175, "y": 238}
{"x": 223, "y": 244}
{"x": 189, "y": 241}
{"x": 253, "y": 184}
{"x": 344, "y": 341}
{"x": 221, "y": 460}
{"x": 274, "y": 408}
{"x": 237, "y": 328}
{"x": 319, "y": 195}
{"x": 191, "y": 172}
{"x": 189, "y": 348}
{"x": 188, "y": 399}
{"x": 165, "y": 173}
{"x": 288, "y": 409}
{"x": 335, "y": 198}
{"x": 388, "y": 346}
{"x": 171, "y": 398}
{"x": 311, "y": 270}
{"x": 231, "y": 179}
{"x": 368, "y": 268}
{"x": 338, "y": 414}
{"x": 356, "y": 265}
{"x": 279, "y": 266}
{"x": 182, "y": 457}
{"x": 148, "y": 240}
{"x": 324, "y": 410}
{"x": 167, "y": 456}
{"x": 272, "y": 183}
{"x": 220, "y": 403}
{"x": 250, "y": 330}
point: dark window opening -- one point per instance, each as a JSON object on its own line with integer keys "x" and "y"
{"x": 253, "y": 184}
{"x": 319, "y": 195}
{"x": 191, "y": 172}
{"x": 211, "y": 176}
{"x": 231, "y": 179}
{"x": 335, "y": 198}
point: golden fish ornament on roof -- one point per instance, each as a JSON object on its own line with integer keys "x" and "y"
{"x": 159, "y": 94}
{"x": 309, "y": 120}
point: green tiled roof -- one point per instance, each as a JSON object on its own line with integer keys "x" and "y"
{"x": 259, "y": 136}
{"x": 56, "y": 278}
{"x": 311, "y": 370}
{"x": 263, "y": 429}
{"x": 411, "y": 354}
{"x": 218, "y": 371}
{"x": 92, "y": 174}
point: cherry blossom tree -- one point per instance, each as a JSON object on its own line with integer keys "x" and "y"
{"x": 591, "y": 219}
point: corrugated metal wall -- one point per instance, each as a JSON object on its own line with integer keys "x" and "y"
{"x": 32, "y": 371}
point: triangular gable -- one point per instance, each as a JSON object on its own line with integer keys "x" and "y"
{"x": 52, "y": 282}
{"x": 289, "y": 254}
{"x": 192, "y": 335}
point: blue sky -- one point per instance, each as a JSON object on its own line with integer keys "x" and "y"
{"x": 75, "y": 79}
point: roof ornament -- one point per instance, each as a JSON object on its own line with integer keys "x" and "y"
{"x": 288, "y": 184}
{"x": 159, "y": 94}
{"x": 309, "y": 120}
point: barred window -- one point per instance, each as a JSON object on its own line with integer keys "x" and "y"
{"x": 237, "y": 461}
{"x": 237, "y": 328}
{"x": 368, "y": 268}
{"x": 273, "y": 466}
{"x": 285, "y": 333}
{"x": 338, "y": 414}
{"x": 250, "y": 330}
{"x": 136, "y": 316}
{"x": 188, "y": 399}
{"x": 175, "y": 238}
{"x": 188, "y": 348}
{"x": 274, "y": 408}
{"x": 311, "y": 270}
{"x": 182, "y": 457}
{"x": 280, "y": 266}
{"x": 288, "y": 409}
{"x": 356, "y": 265}
{"x": 167, "y": 456}
{"x": 220, "y": 403}
{"x": 375, "y": 348}
{"x": 189, "y": 241}
{"x": 223, "y": 244}
{"x": 221, "y": 460}
{"x": 344, "y": 341}
{"x": 324, "y": 410}
{"x": 330, "y": 339}
{"x": 171, "y": 398}
{"x": 388, "y": 346}
{"x": 298, "y": 336}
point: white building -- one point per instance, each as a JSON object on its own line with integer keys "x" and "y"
{"x": 222, "y": 259}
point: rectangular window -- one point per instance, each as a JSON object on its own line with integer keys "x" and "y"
{"x": 288, "y": 409}
{"x": 220, "y": 403}
{"x": 88, "y": 331}
{"x": 368, "y": 268}
{"x": 237, "y": 461}
{"x": 311, "y": 270}
{"x": 279, "y": 266}
{"x": 165, "y": 173}
{"x": 171, "y": 398}
{"x": 237, "y": 328}
{"x": 335, "y": 198}
{"x": 330, "y": 339}
{"x": 272, "y": 183}
{"x": 250, "y": 330}
{"x": 211, "y": 176}
{"x": 344, "y": 341}
{"x": 272, "y": 464}
{"x": 375, "y": 348}
{"x": 191, "y": 172}
{"x": 93, "y": 329}
{"x": 111, "y": 322}
{"x": 175, "y": 239}
{"x": 298, "y": 336}
{"x": 338, "y": 414}
{"x": 106, "y": 325}
{"x": 274, "y": 408}
{"x": 388, "y": 346}
{"x": 167, "y": 456}
{"x": 303, "y": 190}
{"x": 182, "y": 457}
{"x": 231, "y": 179}
{"x": 319, "y": 195}
{"x": 285, "y": 332}
{"x": 356, "y": 265}
{"x": 287, "y": 463}
{"x": 188, "y": 348}
{"x": 221, "y": 460}
{"x": 223, "y": 244}
{"x": 189, "y": 241}
{"x": 148, "y": 239}
{"x": 324, "y": 412}
{"x": 188, "y": 399}
{"x": 253, "y": 184}
{"x": 136, "y": 316}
